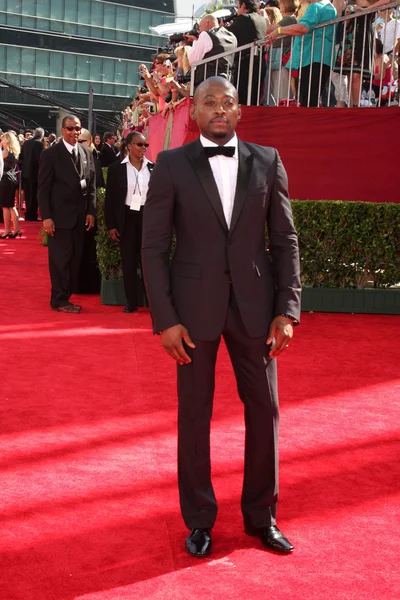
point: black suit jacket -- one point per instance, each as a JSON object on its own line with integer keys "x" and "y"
{"x": 107, "y": 156}
{"x": 194, "y": 289}
{"x": 29, "y": 158}
{"x": 249, "y": 27}
{"x": 60, "y": 194}
{"x": 116, "y": 190}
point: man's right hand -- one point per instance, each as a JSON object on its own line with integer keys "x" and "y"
{"x": 114, "y": 235}
{"x": 171, "y": 339}
{"x": 49, "y": 226}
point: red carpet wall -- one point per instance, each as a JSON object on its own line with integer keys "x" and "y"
{"x": 330, "y": 154}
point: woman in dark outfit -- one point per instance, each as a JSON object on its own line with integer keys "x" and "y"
{"x": 9, "y": 185}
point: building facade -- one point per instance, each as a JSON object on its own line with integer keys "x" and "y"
{"x": 58, "y": 47}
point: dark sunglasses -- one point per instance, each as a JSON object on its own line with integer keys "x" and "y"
{"x": 141, "y": 144}
{"x": 76, "y": 128}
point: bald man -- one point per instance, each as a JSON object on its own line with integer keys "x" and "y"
{"x": 218, "y": 194}
{"x": 212, "y": 40}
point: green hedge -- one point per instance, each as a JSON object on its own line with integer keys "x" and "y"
{"x": 342, "y": 244}
{"x": 346, "y": 244}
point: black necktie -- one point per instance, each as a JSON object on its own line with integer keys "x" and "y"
{"x": 216, "y": 150}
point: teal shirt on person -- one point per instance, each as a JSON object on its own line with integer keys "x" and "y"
{"x": 316, "y": 13}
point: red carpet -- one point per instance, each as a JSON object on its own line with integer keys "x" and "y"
{"x": 88, "y": 502}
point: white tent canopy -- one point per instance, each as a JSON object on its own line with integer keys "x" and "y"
{"x": 168, "y": 29}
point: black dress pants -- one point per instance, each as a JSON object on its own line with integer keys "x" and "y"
{"x": 316, "y": 89}
{"x": 65, "y": 249}
{"x": 255, "y": 375}
{"x": 31, "y": 202}
{"x": 130, "y": 248}
{"x": 257, "y": 80}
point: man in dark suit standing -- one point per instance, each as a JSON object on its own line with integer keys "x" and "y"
{"x": 249, "y": 26}
{"x": 67, "y": 200}
{"x": 126, "y": 192}
{"x": 218, "y": 194}
{"x": 31, "y": 151}
{"x": 107, "y": 153}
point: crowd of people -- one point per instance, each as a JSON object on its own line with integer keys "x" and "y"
{"x": 299, "y": 63}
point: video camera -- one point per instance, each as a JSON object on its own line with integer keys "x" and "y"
{"x": 229, "y": 18}
{"x": 176, "y": 38}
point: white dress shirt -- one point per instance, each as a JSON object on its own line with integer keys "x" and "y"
{"x": 200, "y": 48}
{"x": 71, "y": 149}
{"x": 138, "y": 181}
{"x": 225, "y": 170}
{"x": 389, "y": 34}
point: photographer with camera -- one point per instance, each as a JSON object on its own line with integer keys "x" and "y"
{"x": 249, "y": 26}
{"x": 212, "y": 40}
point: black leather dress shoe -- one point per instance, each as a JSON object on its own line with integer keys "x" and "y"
{"x": 128, "y": 309}
{"x": 69, "y": 308}
{"x": 271, "y": 538}
{"x": 199, "y": 542}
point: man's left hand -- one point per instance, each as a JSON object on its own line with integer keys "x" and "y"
{"x": 281, "y": 330}
{"x": 89, "y": 222}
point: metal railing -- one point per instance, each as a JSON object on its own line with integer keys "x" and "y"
{"x": 340, "y": 53}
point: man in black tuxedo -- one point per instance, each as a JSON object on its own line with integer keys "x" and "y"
{"x": 107, "y": 153}
{"x": 249, "y": 26}
{"x": 29, "y": 158}
{"x": 67, "y": 200}
{"x": 126, "y": 192}
{"x": 218, "y": 194}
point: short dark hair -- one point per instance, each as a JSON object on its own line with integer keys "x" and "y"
{"x": 108, "y": 135}
{"x": 272, "y": 4}
{"x": 131, "y": 136}
{"x": 68, "y": 118}
{"x": 251, "y": 5}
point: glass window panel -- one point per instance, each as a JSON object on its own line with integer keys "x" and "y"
{"x": 69, "y": 66}
{"x": 42, "y": 60}
{"x": 71, "y": 11}
{"x": 3, "y": 18}
{"x": 120, "y": 71}
{"x": 3, "y": 55}
{"x": 108, "y": 69}
{"x": 84, "y": 11}
{"x": 97, "y": 32}
{"x": 3, "y": 4}
{"x": 14, "y": 20}
{"x": 27, "y": 61}
{"x": 108, "y": 89}
{"x": 28, "y": 22}
{"x": 82, "y": 86}
{"x": 97, "y": 88}
{"x": 28, "y": 81}
{"x": 145, "y": 20}
{"x": 95, "y": 68}
{"x": 68, "y": 85}
{"x": 43, "y": 8}
{"x": 13, "y": 61}
{"x": 83, "y": 67}
{"x": 122, "y": 36}
{"x": 70, "y": 28}
{"x": 110, "y": 15}
{"x": 42, "y": 83}
{"x": 27, "y": 7}
{"x": 97, "y": 13}
{"x": 56, "y": 63}
{"x": 134, "y": 20}
{"x": 122, "y": 17}
{"x": 56, "y": 10}
{"x": 56, "y": 25}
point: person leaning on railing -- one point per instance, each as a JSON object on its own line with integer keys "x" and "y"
{"x": 312, "y": 60}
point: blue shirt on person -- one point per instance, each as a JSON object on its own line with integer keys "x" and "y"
{"x": 316, "y": 14}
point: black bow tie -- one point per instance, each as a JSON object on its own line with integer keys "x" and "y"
{"x": 216, "y": 150}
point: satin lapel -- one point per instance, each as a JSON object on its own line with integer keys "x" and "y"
{"x": 245, "y": 168}
{"x": 205, "y": 175}
{"x": 124, "y": 182}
